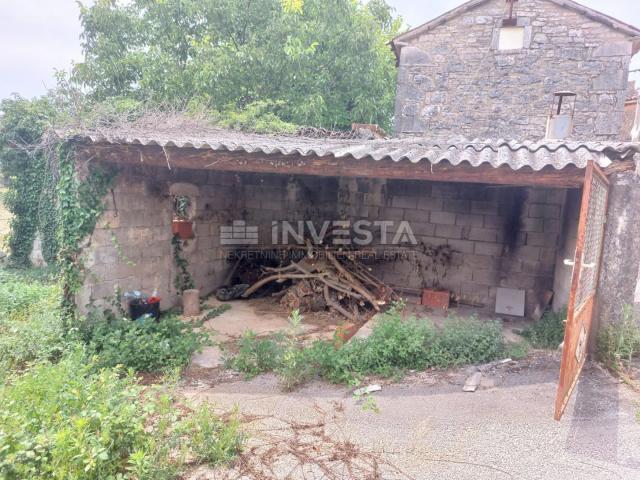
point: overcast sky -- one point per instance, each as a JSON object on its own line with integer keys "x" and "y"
{"x": 38, "y": 36}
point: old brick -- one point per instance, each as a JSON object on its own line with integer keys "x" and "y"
{"x": 464, "y": 246}
{"x": 480, "y": 261}
{"x": 484, "y": 248}
{"x": 423, "y": 229}
{"x": 484, "y": 207}
{"x": 493, "y": 221}
{"x": 483, "y": 234}
{"x": 552, "y": 226}
{"x": 472, "y": 290}
{"x": 457, "y": 206}
{"x": 539, "y": 210}
{"x": 528, "y": 252}
{"x": 416, "y": 216}
{"x": 485, "y": 277}
{"x": 529, "y": 224}
{"x": 469, "y": 219}
{"x": 443, "y": 218}
{"x": 449, "y": 231}
{"x": 430, "y": 204}
{"x": 404, "y": 202}
{"x": 542, "y": 239}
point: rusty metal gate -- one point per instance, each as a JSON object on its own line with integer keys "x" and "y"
{"x": 584, "y": 282}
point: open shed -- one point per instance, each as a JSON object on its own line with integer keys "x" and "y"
{"x": 519, "y": 215}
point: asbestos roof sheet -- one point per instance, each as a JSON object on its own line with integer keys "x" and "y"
{"x": 516, "y": 155}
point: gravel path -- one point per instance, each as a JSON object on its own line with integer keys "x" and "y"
{"x": 427, "y": 428}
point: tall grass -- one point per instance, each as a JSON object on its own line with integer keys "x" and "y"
{"x": 30, "y": 324}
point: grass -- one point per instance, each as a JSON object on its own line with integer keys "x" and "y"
{"x": 30, "y": 324}
{"x": 395, "y": 345}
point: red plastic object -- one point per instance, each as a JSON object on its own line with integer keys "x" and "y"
{"x": 183, "y": 229}
{"x": 436, "y": 298}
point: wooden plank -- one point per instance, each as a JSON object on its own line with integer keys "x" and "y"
{"x": 191, "y": 158}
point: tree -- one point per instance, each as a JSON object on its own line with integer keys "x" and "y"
{"x": 31, "y": 195}
{"x": 314, "y": 62}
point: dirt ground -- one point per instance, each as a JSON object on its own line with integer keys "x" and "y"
{"x": 427, "y": 428}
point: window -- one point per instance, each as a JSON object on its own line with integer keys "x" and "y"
{"x": 511, "y": 38}
{"x": 560, "y": 122}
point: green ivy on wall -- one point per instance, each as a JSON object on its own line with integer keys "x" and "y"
{"x": 24, "y": 162}
{"x": 80, "y": 204}
{"x": 183, "y": 280}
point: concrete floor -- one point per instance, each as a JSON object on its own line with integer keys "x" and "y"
{"x": 427, "y": 428}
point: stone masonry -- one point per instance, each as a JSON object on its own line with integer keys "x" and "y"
{"x": 453, "y": 81}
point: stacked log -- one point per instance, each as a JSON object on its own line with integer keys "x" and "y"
{"x": 327, "y": 278}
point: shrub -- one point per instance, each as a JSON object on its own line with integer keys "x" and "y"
{"x": 144, "y": 345}
{"x": 255, "y": 355}
{"x": 30, "y": 323}
{"x": 548, "y": 332}
{"x": 619, "y": 343}
{"x": 66, "y": 421}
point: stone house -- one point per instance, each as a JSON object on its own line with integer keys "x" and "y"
{"x": 543, "y": 192}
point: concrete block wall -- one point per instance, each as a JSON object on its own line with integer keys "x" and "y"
{"x": 453, "y": 81}
{"x": 277, "y": 198}
{"x": 474, "y": 221}
{"x": 131, "y": 247}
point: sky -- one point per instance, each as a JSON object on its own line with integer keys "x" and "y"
{"x": 39, "y": 36}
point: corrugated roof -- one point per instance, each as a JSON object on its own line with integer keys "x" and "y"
{"x": 516, "y": 155}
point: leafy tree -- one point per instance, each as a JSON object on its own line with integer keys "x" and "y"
{"x": 320, "y": 62}
{"x": 30, "y": 197}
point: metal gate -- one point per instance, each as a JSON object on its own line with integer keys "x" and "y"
{"x": 584, "y": 282}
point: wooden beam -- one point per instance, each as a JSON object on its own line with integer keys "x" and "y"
{"x": 622, "y": 166}
{"x": 327, "y": 166}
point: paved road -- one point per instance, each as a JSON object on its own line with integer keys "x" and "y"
{"x": 427, "y": 428}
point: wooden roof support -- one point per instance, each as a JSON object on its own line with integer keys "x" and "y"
{"x": 198, "y": 159}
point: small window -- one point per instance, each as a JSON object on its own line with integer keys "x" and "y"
{"x": 560, "y": 122}
{"x": 511, "y": 38}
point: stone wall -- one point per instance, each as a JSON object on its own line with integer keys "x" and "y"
{"x": 620, "y": 271}
{"x": 502, "y": 236}
{"x": 454, "y": 81}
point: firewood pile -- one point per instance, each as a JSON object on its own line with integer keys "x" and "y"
{"x": 326, "y": 279}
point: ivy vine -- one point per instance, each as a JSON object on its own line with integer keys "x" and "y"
{"x": 80, "y": 206}
{"x": 183, "y": 280}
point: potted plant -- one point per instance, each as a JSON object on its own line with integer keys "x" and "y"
{"x": 437, "y": 259}
{"x": 182, "y": 226}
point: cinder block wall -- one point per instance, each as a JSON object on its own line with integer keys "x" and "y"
{"x": 453, "y": 81}
{"x": 131, "y": 245}
{"x": 473, "y": 220}
{"x": 276, "y": 198}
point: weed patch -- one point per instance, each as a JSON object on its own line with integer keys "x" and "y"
{"x": 67, "y": 421}
{"x": 619, "y": 343}
{"x": 394, "y": 346}
{"x": 144, "y": 345}
{"x": 548, "y": 332}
